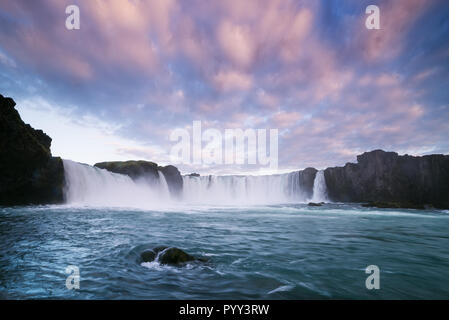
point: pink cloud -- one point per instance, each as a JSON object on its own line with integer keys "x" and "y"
{"x": 237, "y": 43}
{"x": 232, "y": 80}
{"x": 285, "y": 119}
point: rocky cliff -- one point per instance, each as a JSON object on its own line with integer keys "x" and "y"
{"x": 306, "y": 180}
{"x": 28, "y": 172}
{"x": 380, "y": 176}
{"x": 146, "y": 170}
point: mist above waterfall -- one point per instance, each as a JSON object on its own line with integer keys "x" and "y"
{"x": 91, "y": 186}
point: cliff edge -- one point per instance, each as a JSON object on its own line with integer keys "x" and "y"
{"x": 28, "y": 172}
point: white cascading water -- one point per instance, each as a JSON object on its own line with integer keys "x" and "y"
{"x": 164, "y": 190}
{"x": 319, "y": 188}
{"x": 229, "y": 190}
{"x": 91, "y": 186}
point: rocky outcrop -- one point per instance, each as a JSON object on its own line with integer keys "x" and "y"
{"x": 174, "y": 179}
{"x": 193, "y": 175}
{"x": 386, "y": 177}
{"x": 146, "y": 170}
{"x": 28, "y": 172}
{"x": 134, "y": 169}
{"x": 306, "y": 180}
{"x": 167, "y": 255}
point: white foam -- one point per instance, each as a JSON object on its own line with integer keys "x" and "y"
{"x": 281, "y": 289}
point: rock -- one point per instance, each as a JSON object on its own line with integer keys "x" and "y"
{"x": 147, "y": 256}
{"x": 146, "y": 170}
{"x": 386, "y": 177}
{"x": 134, "y": 169}
{"x": 159, "y": 249}
{"x": 174, "y": 256}
{"x": 174, "y": 179}
{"x": 314, "y": 204}
{"x": 168, "y": 255}
{"x": 193, "y": 175}
{"x": 28, "y": 172}
{"x": 306, "y": 180}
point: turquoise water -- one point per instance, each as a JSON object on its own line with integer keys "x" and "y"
{"x": 258, "y": 252}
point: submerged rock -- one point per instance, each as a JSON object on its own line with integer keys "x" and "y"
{"x": 28, "y": 172}
{"x": 315, "y": 204}
{"x": 174, "y": 256}
{"x": 147, "y": 256}
{"x": 168, "y": 255}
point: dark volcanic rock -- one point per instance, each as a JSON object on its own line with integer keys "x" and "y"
{"x": 314, "y": 204}
{"x": 134, "y": 169}
{"x": 146, "y": 170}
{"x": 381, "y": 176}
{"x": 28, "y": 172}
{"x": 147, "y": 256}
{"x": 167, "y": 255}
{"x": 300, "y": 183}
{"x": 174, "y": 256}
{"x": 306, "y": 180}
{"x": 193, "y": 175}
{"x": 174, "y": 179}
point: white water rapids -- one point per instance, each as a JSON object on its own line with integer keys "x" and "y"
{"x": 91, "y": 186}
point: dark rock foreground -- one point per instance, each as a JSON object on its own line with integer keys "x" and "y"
{"x": 167, "y": 256}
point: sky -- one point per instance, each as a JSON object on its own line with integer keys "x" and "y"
{"x": 136, "y": 70}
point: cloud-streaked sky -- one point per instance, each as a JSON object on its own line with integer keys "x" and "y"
{"x": 136, "y": 70}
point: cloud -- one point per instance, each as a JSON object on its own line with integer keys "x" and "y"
{"x": 232, "y": 80}
{"x": 309, "y": 68}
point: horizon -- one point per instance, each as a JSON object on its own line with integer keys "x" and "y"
{"x": 116, "y": 88}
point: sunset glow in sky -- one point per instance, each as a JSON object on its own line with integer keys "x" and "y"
{"x": 136, "y": 70}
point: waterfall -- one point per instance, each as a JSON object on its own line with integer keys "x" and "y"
{"x": 165, "y": 192}
{"x": 228, "y": 190}
{"x": 319, "y": 188}
{"x": 92, "y": 186}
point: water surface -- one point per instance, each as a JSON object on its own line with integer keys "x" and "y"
{"x": 256, "y": 252}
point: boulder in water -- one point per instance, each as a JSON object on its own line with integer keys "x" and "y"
{"x": 315, "y": 204}
{"x": 167, "y": 255}
{"x": 174, "y": 256}
{"x": 147, "y": 256}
